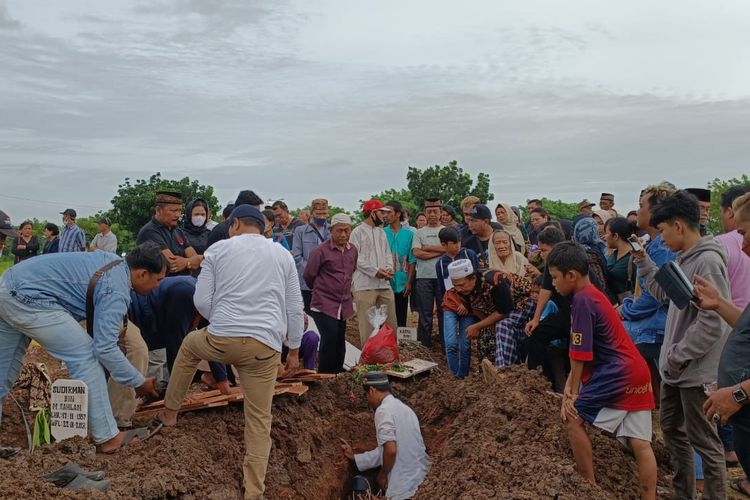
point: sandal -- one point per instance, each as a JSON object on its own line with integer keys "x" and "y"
{"x": 736, "y": 485}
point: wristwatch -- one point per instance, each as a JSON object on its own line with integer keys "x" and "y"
{"x": 739, "y": 394}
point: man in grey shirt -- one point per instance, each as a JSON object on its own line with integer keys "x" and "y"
{"x": 106, "y": 240}
{"x": 427, "y": 250}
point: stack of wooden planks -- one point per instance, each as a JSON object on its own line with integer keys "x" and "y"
{"x": 294, "y": 385}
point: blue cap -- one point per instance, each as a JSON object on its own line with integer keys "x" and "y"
{"x": 245, "y": 211}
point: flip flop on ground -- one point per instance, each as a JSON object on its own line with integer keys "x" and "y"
{"x": 139, "y": 434}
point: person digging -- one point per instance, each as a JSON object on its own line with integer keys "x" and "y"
{"x": 44, "y": 300}
{"x": 400, "y": 454}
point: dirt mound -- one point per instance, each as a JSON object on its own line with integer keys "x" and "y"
{"x": 499, "y": 441}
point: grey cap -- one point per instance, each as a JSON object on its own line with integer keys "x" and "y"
{"x": 378, "y": 380}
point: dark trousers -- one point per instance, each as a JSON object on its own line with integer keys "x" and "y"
{"x": 685, "y": 429}
{"x": 332, "y": 342}
{"x": 741, "y": 434}
{"x": 402, "y": 307}
{"x": 306, "y": 300}
{"x": 553, "y": 327}
{"x": 428, "y": 296}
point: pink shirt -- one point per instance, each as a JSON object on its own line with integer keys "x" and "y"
{"x": 738, "y": 267}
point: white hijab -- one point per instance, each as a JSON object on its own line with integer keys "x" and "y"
{"x": 514, "y": 264}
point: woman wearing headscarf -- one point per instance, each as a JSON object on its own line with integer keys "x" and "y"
{"x": 508, "y": 220}
{"x": 586, "y": 233}
{"x": 513, "y": 267}
{"x": 601, "y": 217}
{"x": 196, "y": 229}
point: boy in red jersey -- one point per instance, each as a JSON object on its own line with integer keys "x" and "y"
{"x": 609, "y": 385}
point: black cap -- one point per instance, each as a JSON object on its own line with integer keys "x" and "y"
{"x": 69, "y": 212}
{"x": 703, "y": 195}
{"x": 481, "y": 212}
{"x": 168, "y": 198}
{"x": 243, "y": 211}
{"x": 6, "y": 227}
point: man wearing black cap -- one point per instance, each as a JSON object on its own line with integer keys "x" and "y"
{"x": 248, "y": 290}
{"x": 704, "y": 203}
{"x": 480, "y": 224}
{"x": 6, "y": 230}
{"x": 105, "y": 240}
{"x": 401, "y": 453}
{"x": 162, "y": 229}
{"x": 72, "y": 237}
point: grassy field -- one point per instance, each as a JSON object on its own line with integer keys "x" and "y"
{"x": 5, "y": 264}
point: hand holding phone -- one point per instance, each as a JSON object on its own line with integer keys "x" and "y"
{"x": 637, "y": 247}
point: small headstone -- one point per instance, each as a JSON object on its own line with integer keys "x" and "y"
{"x": 69, "y": 409}
{"x": 405, "y": 333}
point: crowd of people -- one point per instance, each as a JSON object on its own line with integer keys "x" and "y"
{"x": 579, "y": 299}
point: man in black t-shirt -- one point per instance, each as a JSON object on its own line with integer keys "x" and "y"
{"x": 162, "y": 229}
{"x": 480, "y": 224}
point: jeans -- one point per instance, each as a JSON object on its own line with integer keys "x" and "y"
{"x": 64, "y": 339}
{"x": 332, "y": 343}
{"x": 427, "y": 296}
{"x": 457, "y": 346}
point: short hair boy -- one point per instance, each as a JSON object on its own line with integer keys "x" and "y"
{"x": 609, "y": 385}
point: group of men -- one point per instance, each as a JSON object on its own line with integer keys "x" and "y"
{"x": 262, "y": 270}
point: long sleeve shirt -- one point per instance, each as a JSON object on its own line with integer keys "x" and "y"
{"x": 329, "y": 272}
{"x": 30, "y": 250}
{"x": 61, "y": 281}
{"x": 105, "y": 242}
{"x": 394, "y": 421}
{"x": 72, "y": 239}
{"x": 374, "y": 254}
{"x": 306, "y": 239}
{"x": 248, "y": 287}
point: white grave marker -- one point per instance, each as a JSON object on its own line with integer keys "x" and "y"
{"x": 404, "y": 333}
{"x": 69, "y": 409}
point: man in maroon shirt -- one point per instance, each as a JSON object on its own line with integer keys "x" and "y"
{"x": 329, "y": 272}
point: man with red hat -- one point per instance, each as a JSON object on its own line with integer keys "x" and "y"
{"x": 371, "y": 281}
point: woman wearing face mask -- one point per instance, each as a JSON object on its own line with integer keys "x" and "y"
{"x": 196, "y": 230}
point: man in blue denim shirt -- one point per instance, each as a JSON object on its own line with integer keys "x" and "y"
{"x": 44, "y": 299}
{"x": 306, "y": 239}
{"x": 645, "y": 318}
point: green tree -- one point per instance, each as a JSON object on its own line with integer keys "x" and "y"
{"x": 449, "y": 183}
{"x": 403, "y": 196}
{"x": 717, "y": 187}
{"x": 557, "y": 209}
{"x": 133, "y": 205}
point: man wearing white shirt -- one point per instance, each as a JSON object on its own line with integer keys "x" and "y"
{"x": 371, "y": 285}
{"x": 400, "y": 454}
{"x": 248, "y": 290}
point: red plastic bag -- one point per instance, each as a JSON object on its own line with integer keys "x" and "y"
{"x": 381, "y": 348}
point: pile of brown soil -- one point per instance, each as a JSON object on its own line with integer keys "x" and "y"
{"x": 486, "y": 441}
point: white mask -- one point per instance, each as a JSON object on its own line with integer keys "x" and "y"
{"x": 198, "y": 220}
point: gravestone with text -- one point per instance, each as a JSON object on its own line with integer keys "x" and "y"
{"x": 69, "y": 409}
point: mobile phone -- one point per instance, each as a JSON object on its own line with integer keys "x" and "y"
{"x": 635, "y": 246}
{"x": 533, "y": 248}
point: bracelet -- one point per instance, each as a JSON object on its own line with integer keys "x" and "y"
{"x": 190, "y": 265}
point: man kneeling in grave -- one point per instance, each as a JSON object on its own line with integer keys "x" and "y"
{"x": 44, "y": 299}
{"x": 400, "y": 454}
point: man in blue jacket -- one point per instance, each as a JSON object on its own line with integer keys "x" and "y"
{"x": 644, "y": 317}
{"x": 44, "y": 300}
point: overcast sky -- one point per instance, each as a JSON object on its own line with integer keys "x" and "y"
{"x": 336, "y": 98}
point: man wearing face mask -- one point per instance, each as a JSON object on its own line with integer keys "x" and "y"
{"x": 371, "y": 281}
{"x": 306, "y": 239}
{"x": 72, "y": 238}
